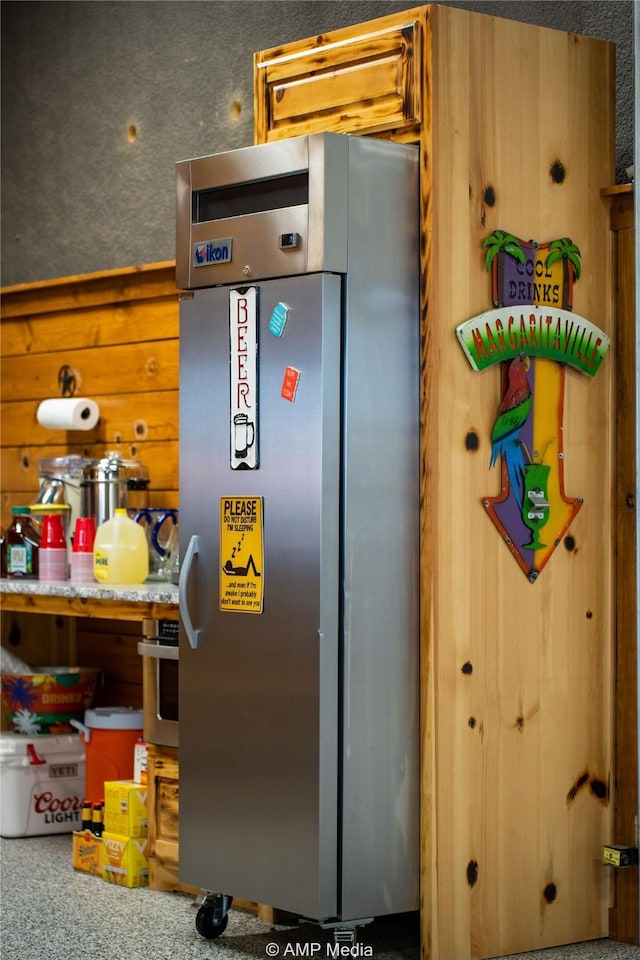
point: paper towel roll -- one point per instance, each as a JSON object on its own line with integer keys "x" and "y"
{"x": 68, "y": 413}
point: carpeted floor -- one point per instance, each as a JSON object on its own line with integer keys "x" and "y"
{"x": 48, "y": 910}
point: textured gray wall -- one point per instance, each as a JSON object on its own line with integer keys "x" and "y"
{"x": 82, "y": 192}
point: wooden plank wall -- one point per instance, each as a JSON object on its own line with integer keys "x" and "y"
{"x": 118, "y": 331}
{"x": 516, "y": 127}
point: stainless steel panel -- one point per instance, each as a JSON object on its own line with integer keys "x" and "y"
{"x": 259, "y": 696}
{"x": 322, "y": 223}
{"x": 380, "y": 784}
{"x": 157, "y": 727}
{"x": 256, "y": 250}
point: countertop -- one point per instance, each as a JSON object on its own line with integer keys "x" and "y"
{"x": 149, "y": 592}
{"x": 127, "y": 602}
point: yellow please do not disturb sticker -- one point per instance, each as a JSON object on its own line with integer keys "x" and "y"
{"x": 241, "y": 554}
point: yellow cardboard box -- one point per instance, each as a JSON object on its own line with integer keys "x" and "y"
{"x": 125, "y": 808}
{"x": 124, "y": 860}
{"x": 87, "y": 852}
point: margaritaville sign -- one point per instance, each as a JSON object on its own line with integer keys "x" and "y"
{"x": 534, "y": 334}
{"x": 539, "y": 331}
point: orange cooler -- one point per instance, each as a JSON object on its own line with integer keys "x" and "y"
{"x": 110, "y": 735}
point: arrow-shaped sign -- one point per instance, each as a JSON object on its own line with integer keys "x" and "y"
{"x": 534, "y": 335}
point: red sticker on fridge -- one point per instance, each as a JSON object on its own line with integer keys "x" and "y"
{"x": 290, "y": 384}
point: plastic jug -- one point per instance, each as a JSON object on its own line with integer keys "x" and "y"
{"x": 110, "y": 735}
{"x": 120, "y": 551}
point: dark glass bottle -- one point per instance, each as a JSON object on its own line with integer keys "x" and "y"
{"x": 87, "y": 815}
{"x": 22, "y": 546}
{"x": 97, "y": 825}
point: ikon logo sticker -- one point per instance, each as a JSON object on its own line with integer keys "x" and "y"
{"x": 212, "y": 251}
{"x": 533, "y": 334}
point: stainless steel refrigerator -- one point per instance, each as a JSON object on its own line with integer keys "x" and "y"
{"x": 299, "y": 516}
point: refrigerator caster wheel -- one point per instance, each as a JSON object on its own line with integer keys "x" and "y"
{"x": 213, "y": 916}
{"x": 207, "y": 926}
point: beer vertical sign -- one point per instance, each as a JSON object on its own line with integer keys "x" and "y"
{"x": 243, "y": 355}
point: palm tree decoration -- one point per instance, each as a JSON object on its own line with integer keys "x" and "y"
{"x": 566, "y": 249}
{"x": 499, "y": 241}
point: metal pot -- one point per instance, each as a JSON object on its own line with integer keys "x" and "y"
{"x": 104, "y": 485}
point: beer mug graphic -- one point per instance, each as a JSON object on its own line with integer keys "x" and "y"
{"x": 243, "y": 435}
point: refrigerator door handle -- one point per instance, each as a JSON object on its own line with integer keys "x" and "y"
{"x": 193, "y": 550}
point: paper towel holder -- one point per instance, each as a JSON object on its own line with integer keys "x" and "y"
{"x": 68, "y": 412}
{"x": 67, "y": 380}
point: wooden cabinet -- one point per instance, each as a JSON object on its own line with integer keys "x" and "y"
{"x": 369, "y": 80}
{"x": 516, "y": 130}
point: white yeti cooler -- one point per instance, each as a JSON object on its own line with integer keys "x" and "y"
{"x": 41, "y": 784}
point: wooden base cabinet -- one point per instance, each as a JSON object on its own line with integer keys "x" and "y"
{"x": 162, "y": 799}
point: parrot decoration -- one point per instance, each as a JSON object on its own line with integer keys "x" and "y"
{"x": 512, "y": 416}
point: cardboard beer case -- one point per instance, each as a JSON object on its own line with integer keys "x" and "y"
{"x": 125, "y": 860}
{"x": 87, "y": 853}
{"x": 125, "y": 808}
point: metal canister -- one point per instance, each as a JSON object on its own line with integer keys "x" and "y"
{"x": 60, "y": 479}
{"x": 104, "y": 485}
